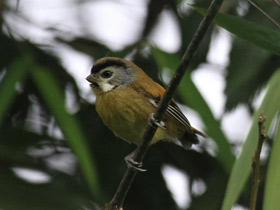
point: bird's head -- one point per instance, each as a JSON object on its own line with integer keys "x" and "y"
{"x": 110, "y": 73}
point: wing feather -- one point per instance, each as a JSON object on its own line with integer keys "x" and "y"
{"x": 174, "y": 111}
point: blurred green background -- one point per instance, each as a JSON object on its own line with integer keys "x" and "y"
{"x": 55, "y": 152}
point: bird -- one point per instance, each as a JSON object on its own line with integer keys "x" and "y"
{"x": 126, "y": 98}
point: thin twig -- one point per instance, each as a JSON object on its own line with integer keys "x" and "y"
{"x": 276, "y": 2}
{"x": 256, "y": 163}
{"x": 264, "y": 13}
{"x": 120, "y": 195}
{"x": 17, "y": 6}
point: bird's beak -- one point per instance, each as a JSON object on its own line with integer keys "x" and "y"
{"x": 92, "y": 80}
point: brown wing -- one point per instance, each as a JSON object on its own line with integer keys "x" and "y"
{"x": 172, "y": 110}
{"x": 155, "y": 94}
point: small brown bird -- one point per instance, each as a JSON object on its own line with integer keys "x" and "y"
{"x": 125, "y": 99}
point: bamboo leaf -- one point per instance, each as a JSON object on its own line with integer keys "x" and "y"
{"x": 192, "y": 97}
{"x": 242, "y": 166}
{"x": 53, "y": 96}
{"x": 264, "y": 37}
{"x": 272, "y": 187}
{"x": 15, "y": 73}
{"x": 195, "y": 100}
{"x": 62, "y": 193}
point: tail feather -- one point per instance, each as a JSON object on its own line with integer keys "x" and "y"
{"x": 188, "y": 139}
{"x": 198, "y": 132}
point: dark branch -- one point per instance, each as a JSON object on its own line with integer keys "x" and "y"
{"x": 119, "y": 197}
{"x": 256, "y": 163}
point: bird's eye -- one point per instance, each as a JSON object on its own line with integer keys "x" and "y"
{"x": 106, "y": 74}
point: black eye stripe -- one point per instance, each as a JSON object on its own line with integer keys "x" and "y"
{"x": 114, "y": 62}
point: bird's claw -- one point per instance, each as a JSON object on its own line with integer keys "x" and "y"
{"x": 134, "y": 165}
{"x": 153, "y": 121}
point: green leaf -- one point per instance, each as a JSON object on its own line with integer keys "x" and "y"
{"x": 242, "y": 166}
{"x": 196, "y": 101}
{"x": 15, "y": 73}
{"x": 264, "y": 37}
{"x": 60, "y": 193}
{"x": 53, "y": 96}
{"x": 249, "y": 69}
{"x": 192, "y": 97}
{"x": 272, "y": 187}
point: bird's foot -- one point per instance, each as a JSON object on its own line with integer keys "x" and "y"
{"x": 153, "y": 121}
{"x": 134, "y": 165}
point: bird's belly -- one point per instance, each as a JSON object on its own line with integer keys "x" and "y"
{"x": 127, "y": 118}
{"x": 127, "y": 130}
{"x": 133, "y": 132}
